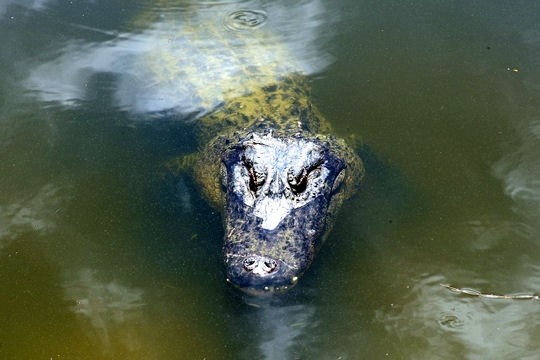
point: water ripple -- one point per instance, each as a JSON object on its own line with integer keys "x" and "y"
{"x": 245, "y": 19}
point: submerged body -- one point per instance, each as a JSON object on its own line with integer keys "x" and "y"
{"x": 279, "y": 177}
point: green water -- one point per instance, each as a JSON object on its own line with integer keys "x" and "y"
{"x": 104, "y": 255}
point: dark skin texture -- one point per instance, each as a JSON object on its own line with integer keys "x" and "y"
{"x": 305, "y": 183}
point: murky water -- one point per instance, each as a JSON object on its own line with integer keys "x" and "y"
{"x": 105, "y": 255}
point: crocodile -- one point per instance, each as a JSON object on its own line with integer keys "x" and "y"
{"x": 279, "y": 176}
{"x": 268, "y": 159}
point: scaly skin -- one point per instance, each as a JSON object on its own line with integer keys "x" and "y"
{"x": 284, "y": 107}
{"x": 284, "y": 112}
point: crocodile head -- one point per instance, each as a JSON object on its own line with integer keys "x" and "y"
{"x": 280, "y": 197}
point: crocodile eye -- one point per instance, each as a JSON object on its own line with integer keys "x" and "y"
{"x": 298, "y": 183}
{"x": 256, "y": 178}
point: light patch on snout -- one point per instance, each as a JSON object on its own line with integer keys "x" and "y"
{"x": 272, "y": 211}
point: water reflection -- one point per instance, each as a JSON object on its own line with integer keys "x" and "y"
{"x": 279, "y": 331}
{"x": 520, "y": 171}
{"x": 108, "y": 307}
{"x": 191, "y": 59}
{"x": 487, "y": 233}
{"x": 30, "y": 4}
{"x": 35, "y": 214}
{"x": 435, "y": 324}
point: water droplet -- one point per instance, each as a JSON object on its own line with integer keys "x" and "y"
{"x": 245, "y": 20}
{"x": 450, "y": 321}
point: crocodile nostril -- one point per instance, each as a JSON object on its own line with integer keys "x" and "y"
{"x": 269, "y": 265}
{"x": 260, "y": 265}
{"x": 250, "y": 263}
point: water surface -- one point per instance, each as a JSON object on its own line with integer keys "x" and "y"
{"x": 105, "y": 255}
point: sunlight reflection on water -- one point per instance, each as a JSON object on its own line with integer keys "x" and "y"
{"x": 280, "y": 329}
{"x": 36, "y": 214}
{"x": 438, "y": 326}
{"x": 189, "y": 62}
{"x": 105, "y": 305}
{"x": 31, "y": 4}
